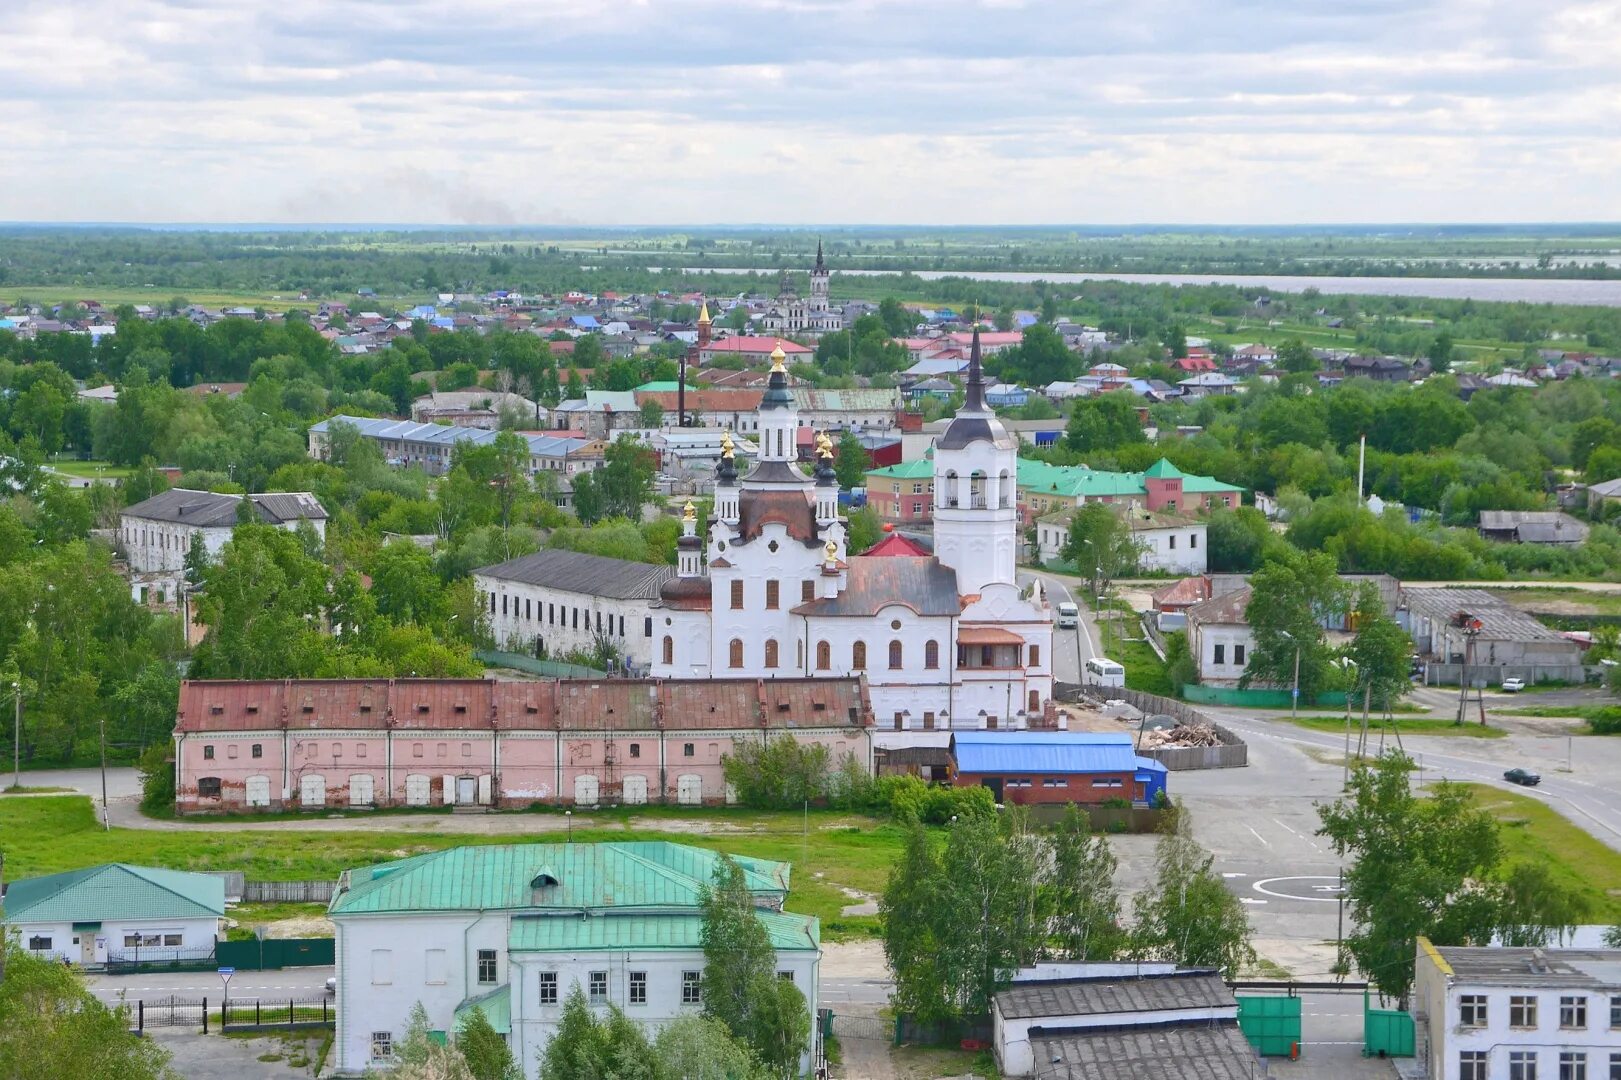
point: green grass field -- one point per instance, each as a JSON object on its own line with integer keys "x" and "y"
{"x": 1406, "y": 725}
{"x": 49, "y": 834}
{"x": 158, "y": 297}
{"x": 1607, "y": 715}
{"x": 90, "y": 470}
{"x": 1535, "y": 832}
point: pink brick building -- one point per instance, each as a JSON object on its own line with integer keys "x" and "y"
{"x": 320, "y": 743}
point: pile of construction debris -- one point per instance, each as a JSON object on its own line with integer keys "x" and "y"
{"x": 1180, "y": 736}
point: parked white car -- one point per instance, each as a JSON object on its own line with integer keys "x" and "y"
{"x": 1513, "y": 686}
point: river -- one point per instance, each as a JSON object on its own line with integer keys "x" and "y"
{"x": 1498, "y": 290}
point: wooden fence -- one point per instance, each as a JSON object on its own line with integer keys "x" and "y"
{"x": 1231, "y": 754}
{"x": 289, "y": 892}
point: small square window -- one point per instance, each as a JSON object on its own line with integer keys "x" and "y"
{"x": 1573, "y": 1012}
{"x": 230, "y": 751}
{"x": 38, "y": 943}
{"x": 486, "y": 966}
{"x": 171, "y": 940}
{"x": 1472, "y": 1010}
{"x": 548, "y": 988}
{"x": 692, "y": 988}
{"x": 1522, "y": 1011}
{"x": 598, "y": 989}
{"x": 258, "y": 751}
{"x": 686, "y": 749}
{"x": 638, "y": 988}
{"x": 208, "y": 753}
{"x": 787, "y": 976}
{"x": 635, "y": 750}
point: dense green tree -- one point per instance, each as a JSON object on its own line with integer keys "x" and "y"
{"x": 1235, "y": 539}
{"x": 1294, "y": 356}
{"x": 52, "y": 1025}
{"x": 1083, "y": 904}
{"x": 851, "y": 461}
{"x": 1426, "y": 866}
{"x": 1104, "y": 423}
{"x": 1100, "y": 545}
{"x": 741, "y": 987}
{"x": 1440, "y": 353}
{"x": 1041, "y": 357}
{"x": 1188, "y": 915}
{"x": 1290, "y": 598}
{"x": 1381, "y": 650}
{"x": 897, "y": 320}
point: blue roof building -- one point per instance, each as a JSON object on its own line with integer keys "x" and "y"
{"x": 1055, "y": 766}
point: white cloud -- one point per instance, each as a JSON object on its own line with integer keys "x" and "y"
{"x": 810, "y": 110}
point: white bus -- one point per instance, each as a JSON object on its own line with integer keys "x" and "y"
{"x": 1068, "y": 615}
{"x": 1101, "y": 671}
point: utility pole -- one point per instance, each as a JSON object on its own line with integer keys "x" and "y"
{"x": 1294, "y": 693}
{"x": 17, "y": 736}
{"x": 106, "y": 823}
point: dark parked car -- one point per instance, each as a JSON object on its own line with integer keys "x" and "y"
{"x": 1523, "y": 777}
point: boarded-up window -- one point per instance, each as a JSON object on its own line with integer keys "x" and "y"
{"x": 771, "y": 653}
{"x": 771, "y": 594}
{"x": 858, "y": 656}
{"x": 824, "y": 656}
{"x": 894, "y": 655}
{"x": 737, "y": 596}
{"x": 382, "y": 967}
{"x": 931, "y": 654}
{"x": 735, "y": 653}
{"x": 669, "y": 649}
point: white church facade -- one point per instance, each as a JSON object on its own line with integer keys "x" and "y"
{"x": 946, "y": 641}
{"x": 811, "y": 316}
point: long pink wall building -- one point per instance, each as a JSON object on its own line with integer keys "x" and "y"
{"x": 322, "y": 743}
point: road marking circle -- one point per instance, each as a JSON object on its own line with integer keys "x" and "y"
{"x": 1261, "y": 887}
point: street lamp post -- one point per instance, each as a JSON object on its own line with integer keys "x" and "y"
{"x": 1294, "y": 691}
{"x": 17, "y": 736}
{"x": 568, "y": 815}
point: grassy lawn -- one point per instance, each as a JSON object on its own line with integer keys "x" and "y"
{"x": 1609, "y": 716}
{"x": 1535, "y": 832}
{"x": 49, "y": 834}
{"x": 1406, "y": 725}
{"x": 1577, "y": 601}
{"x": 24, "y": 789}
{"x": 1145, "y": 671}
{"x": 90, "y": 470}
{"x": 158, "y": 297}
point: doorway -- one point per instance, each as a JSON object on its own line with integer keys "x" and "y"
{"x": 466, "y": 790}
{"x": 995, "y": 784}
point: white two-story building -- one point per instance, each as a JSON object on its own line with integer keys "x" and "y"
{"x": 156, "y": 534}
{"x": 1497, "y": 1013}
{"x": 114, "y": 912}
{"x": 1166, "y": 543}
{"x": 512, "y": 929}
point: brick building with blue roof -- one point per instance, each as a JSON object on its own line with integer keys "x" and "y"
{"x": 1055, "y": 766}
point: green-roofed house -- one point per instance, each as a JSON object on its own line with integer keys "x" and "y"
{"x": 117, "y": 912}
{"x": 902, "y": 494}
{"x": 510, "y": 929}
{"x": 1160, "y": 488}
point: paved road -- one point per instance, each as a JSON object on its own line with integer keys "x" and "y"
{"x": 307, "y": 982}
{"x": 1071, "y": 648}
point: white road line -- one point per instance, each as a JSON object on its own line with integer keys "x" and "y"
{"x": 1286, "y": 828}
{"x": 1258, "y": 836}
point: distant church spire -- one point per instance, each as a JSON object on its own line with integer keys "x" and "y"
{"x": 820, "y": 265}
{"x": 975, "y": 398}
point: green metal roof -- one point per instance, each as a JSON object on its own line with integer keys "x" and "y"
{"x": 906, "y": 470}
{"x": 589, "y": 876}
{"x": 496, "y": 1006}
{"x": 115, "y": 891}
{"x": 663, "y": 386}
{"x": 1162, "y": 470}
{"x": 624, "y": 930}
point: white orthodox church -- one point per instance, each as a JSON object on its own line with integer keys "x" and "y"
{"x": 811, "y": 316}
{"x": 946, "y": 641}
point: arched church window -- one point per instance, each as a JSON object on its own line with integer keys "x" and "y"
{"x": 858, "y": 656}
{"x": 824, "y": 656}
{"x": 931, "y": 655}
{"x": 771, "y": 652}
{"x": 894, "y": 655}
{"x": 669, "y": 649}
{"x": 735, "y": 652}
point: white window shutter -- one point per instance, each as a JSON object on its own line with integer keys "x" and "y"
{"x": 484, "y": 789}
{"x": 450, "y": 790}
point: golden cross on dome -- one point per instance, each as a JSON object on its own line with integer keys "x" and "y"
{"x": 824, "y": 445}
{"x": 832, "y": 549}
{"x": 777, "y": 357}
{"x": 726, "y": 446}
{"x": 689, "y": 512}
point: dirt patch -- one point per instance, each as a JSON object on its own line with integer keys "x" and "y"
{"x": 1092, "y": 720}
{"x": 854, "y": 960}
{"x": 303, "y": 926}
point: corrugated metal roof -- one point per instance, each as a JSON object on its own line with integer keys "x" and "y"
{"x": 1193, "y": 1049}
{"x": 624, "y": 930}
{"x": 1054, "y": 752}
{"x": 447, "y": 435}
{"x": 580, "y": 572}
{"x": 207, "y": 509}
{"x": 115, "y": 891}
{"x": 1092, "y": 996}
{"x": 924, "y": 584}
{"x": 645, "y": 875}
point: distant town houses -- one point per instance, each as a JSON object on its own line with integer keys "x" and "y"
{"x": 478, "y": 409}
{"x": 156, "y": 535}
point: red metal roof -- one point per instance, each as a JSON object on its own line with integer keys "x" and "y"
{"x": 987, "y": 635}
{"x": 896, "y": 544}
{"x": 482, "y": 704}
{"x": 749, "y": 343}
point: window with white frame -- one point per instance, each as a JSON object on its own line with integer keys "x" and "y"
{"x": 1522, "y": 1011}
{"x": 548, "y": 988}
{"x": 638, "y": 987}
{"x": 1615, "y": 1011}
{"x": 382, "y": 1045}
{"x": 597, "y": 992}
{"x": 1573, "y": 1011}
{"x": 1615, "y": 1066}
{"x": 486, "y": 967}
{"x": 1472, "y": 1010}
{"x": 1472, "y": 1065}
{"x": 692, "y": 988}
{"x": 39, "y": 943}
{"x": 1573, "y": 1065}
{"x": 1522, "y": 1065}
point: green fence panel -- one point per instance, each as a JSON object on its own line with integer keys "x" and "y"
{"x": 1259, "y": 699}
{"x": 272, "y": 954}
{"x": 1271, "y": 1024}
{"x": 1386, "y": 1032}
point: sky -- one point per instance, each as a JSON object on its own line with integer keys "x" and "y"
{"x": 566, "y": 112}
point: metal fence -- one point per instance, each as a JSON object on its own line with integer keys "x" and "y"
{"x": 1486, "y": 675}
{"x": 169, "y": 1012}
{"x": 296, "y": 892}
{"x": 161, "y": 958}
{"x": 293, "y": 1014}
{"x": 271, "y": 954}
